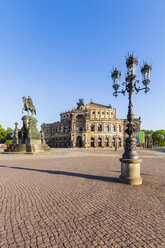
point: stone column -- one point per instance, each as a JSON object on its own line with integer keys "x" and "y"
{"x": 15, "y": 138}
{"x": 95, "y": 141}
{"x": 103, "y": 127}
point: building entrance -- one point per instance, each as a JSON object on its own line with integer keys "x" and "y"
{"x": 79, "y": 141}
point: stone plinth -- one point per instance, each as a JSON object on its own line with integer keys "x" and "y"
{"x": 29, "y": 139}
{"x": 130, "y": 171}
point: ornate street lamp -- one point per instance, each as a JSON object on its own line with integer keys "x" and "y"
{"x": 130, "y": 162}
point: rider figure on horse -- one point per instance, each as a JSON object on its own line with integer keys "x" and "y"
{"x": 28, "y": 105}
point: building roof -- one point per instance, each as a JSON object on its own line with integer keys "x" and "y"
{"x": 92, "y": 104}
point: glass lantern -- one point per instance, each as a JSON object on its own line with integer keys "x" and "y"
{"x": 116, "y": 78}
{"x": 146, "y": 74}
{"x": 131, "y": 66}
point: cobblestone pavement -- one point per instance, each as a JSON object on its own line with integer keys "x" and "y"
{"x": 72, "y": 198}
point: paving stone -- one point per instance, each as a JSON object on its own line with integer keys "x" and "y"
{"x": 72, "y": 198}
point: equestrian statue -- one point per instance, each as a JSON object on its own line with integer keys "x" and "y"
{"x": 28, "y": 105}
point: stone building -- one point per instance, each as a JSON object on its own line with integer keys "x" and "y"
{"x": 91, "y": 125}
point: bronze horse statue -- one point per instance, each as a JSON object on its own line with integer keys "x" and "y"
{"x": 28, "y": 105}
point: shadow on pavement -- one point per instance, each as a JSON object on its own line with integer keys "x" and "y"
{"x": 142, "y": 174}
{"x": 72, "y": 174}
{"x": 158, "y": 149}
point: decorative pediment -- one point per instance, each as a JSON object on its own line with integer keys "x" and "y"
{"x": 93, "y": 105}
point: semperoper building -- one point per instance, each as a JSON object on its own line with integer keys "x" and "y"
{"x": 91, "y": 125}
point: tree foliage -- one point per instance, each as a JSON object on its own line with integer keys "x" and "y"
{"x": 2, "y": 134}
{"x": 6, "y": 135}
{"x": 158, "y": 137}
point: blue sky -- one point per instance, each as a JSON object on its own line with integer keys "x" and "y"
{"x": 61, "y": 50}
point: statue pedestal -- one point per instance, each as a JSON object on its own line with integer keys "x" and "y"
{"x": 30, "y": 140}
{"x": 130, "y": 171}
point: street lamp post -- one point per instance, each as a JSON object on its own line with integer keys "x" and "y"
{"x": 130, "y": 162}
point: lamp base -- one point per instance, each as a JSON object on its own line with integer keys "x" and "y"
{"x": 130, "y": 171}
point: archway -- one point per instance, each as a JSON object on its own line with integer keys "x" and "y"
{"x": 79, "y": 141}
{"x": 92, "y": 142}
{"x": 99, "y": 142}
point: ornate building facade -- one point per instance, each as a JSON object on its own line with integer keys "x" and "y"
{"x": 91, "y": 125}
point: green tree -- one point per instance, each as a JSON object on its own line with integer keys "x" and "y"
{"x": 9, "y": 133}
{"x": 147, "y": 131}
{"x": 159, "y": 138}
{"x": 6, "y": 135}
{"x": 2, "y": 134}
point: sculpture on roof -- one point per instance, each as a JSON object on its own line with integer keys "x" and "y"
{"x": 80, "y": 103}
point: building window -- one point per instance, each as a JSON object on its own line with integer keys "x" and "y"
{"x": 107, "y": 142}
{"x": 103, "y": 113}
{"x": 98, "y": 112}
{"x": 106, "y": 128}
{"x": 107, "y": 113}
{"x": 113, "y": 142}
{"x": 113, "y": 128}
{"x": 99, "y": 142}
{"x": 92, "y": 128}
{"x": 92, "y": 142}
{"x": 93, "y": 112}
{"x": 99, "y": 127}
{"x": 119, "y": 128}
{"x": 80, "y": 129}
{"x": 119, "y": 142}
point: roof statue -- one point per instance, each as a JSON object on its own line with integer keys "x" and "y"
{"x": 80, "y": 103}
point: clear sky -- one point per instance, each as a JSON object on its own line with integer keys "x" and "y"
{"x": 57, "y": 51}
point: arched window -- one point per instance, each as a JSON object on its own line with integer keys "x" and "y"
{"x": 113, "y": 142}
{"x": 113, "y": 128}
{"x": 119, "y": 142}
{"x": 106, "y": 128}
{"x": 92, "y": 128}
{"x": 99, "y": 142}
{"x": 92, "y": 142}
{"x": 106, "y": 142}
{"x": 99, "y": 127}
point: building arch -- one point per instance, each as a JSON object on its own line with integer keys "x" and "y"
{"x": 92, "y": 142}
{"x": 92, "y": 127}
{"x": 106, "y": 128}
{"x": 119, "y": 142}
{"x": 113, "y": 128}
{"x": 79, "y": 142}
{"x": 99, "y": 142}
{"x": 106, "y": 141}
{"x": 113, "y": 141}
{"x": 100, "y": 128}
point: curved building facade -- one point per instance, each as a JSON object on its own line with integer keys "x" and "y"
{"x": 92, "y": 125}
